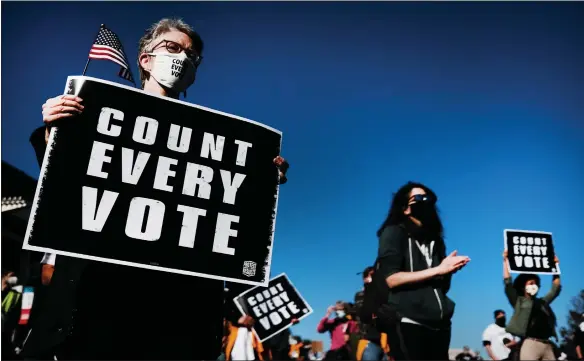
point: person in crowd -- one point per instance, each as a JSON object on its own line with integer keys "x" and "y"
{"x": 466, "y": 355}
{"x": 11, "y": 296}
{"x": 296, "y": 346}
{"x": 277, "y": 347}
{"x": 373, "y": 348}
{"x": 315, "y": 350}
{"x": 9, "y": 280}
{"x": 305, "y": 350}
{"x": 413, "y": 261}
{"x": 559, "y": 353}
{"x": 579, "y": 339}
{"x": 97, "y": 310}
{"x": 497, "y": 341}
{"x": 339, "y": 327}
{"x": 352, "y": 334}
{"x": 47, "y": 268}
{"x": 39, "y": 282}
{"x": 11, "y": 305}
{"x": 242, "y": 343}
{"x": 360, "y": 295}
{"x": 533, "y": 319}
{"x": 372, "y": 345}
{"x": 224, "y": 339}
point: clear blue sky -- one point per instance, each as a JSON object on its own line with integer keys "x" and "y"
{"x": 484, "y": 102}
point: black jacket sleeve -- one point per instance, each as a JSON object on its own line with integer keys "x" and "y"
{"x": 37, "y": 139}
{"x": 446, "y": 280}
{"x": 391, "y": 251}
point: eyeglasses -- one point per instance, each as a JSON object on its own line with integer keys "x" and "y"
{"x": 175, "y": 48}
{"x": 422, "y": 198}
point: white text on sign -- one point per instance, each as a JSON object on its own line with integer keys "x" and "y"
{"x": 272, "y": 306}
{"x": 145, "y": 216}
{"x": 530, "y": 252}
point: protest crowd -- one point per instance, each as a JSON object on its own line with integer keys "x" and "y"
{"x": 79, "y": 309}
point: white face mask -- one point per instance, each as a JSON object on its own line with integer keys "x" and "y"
{"x": 12, "y": 280}
{"x": 292, "y": 341}
{"x": 582, "y": 326}
{"x": 531, "y": 289}
{"x": 173, "y": 71}
{"x": 340, "y": 314}
{"x": 368, "y": 280}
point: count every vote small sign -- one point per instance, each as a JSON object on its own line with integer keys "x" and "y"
{"x": 530, "y": 252}
{"x": 273, "y": 307}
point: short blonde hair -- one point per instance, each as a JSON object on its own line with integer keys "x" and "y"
{"x": 161, "y": 27}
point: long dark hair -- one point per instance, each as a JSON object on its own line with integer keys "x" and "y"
{"x": 399, "y": 203}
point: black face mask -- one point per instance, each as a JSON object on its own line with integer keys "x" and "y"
{"x": 425, "y": 213}
{"x": 501, "y": 321}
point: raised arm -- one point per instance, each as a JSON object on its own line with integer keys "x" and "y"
{"x": 324, "y": 324}
{"x": 556, "y": 287}
{"x": 510, "y": 292}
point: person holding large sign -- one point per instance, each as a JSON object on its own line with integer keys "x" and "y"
{"x": 99, "y": 310}
{"x": 533, "y": 319}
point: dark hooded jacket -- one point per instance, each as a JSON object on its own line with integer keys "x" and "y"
{"x": 424, "y": 302}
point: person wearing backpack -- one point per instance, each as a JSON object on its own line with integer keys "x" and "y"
{"x": 412, "y": 261}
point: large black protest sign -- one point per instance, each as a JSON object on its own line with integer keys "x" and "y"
{"x": 530, "y": 252}
{"x": 273, "y": 307}
{"x": 148, "y": 181}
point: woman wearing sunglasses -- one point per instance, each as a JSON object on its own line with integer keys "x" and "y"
{"x": 413, "y": 261}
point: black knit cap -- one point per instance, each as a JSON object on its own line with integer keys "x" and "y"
{"x": 367, "y": 271}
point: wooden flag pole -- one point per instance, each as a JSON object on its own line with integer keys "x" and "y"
{"x": 88, "y": 58}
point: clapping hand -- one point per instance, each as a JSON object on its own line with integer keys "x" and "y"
{"x": 452, "y": 263}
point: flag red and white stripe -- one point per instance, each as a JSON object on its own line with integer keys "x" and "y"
{"x": 107, "y": 53}
{"x": 27, "y": 299}
{"x": 107, "y": 46}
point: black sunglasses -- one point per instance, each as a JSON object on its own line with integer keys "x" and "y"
{"x": 175, "y": 48}
{"x": 422, "y": 198}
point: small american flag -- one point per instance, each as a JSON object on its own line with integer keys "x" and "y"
{"x": 108, "y": 46}
{"x": 27, "y": 300}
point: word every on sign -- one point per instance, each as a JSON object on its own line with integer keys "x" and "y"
{"x": 145, "y": 215}
{"x": 272, "y": 304}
